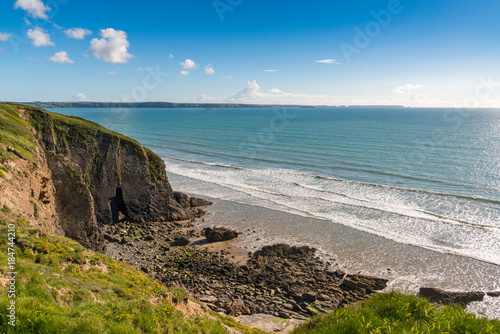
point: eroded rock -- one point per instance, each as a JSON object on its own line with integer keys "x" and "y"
{"x": 219, "y": 234}
{"x": 446, "y": 297}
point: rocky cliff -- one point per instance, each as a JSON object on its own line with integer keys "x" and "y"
{"x": 90, "y": 176}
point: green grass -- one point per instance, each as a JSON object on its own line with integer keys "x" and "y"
{"x": 398, "y": 313}
{"x": 62, "y": 287}
{"x": 229, "y": 321}
{"x": 5, "y": 209}
{"x": 14, "y": 134}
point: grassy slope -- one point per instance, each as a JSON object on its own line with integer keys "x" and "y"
{"x": 397, "y": 313}
{"x": 15, "y": 135}
{"x": 64, "y": 288}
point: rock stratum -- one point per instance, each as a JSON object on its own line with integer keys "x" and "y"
{"x": 77, "y": 176}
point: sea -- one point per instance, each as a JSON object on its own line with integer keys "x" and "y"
{"x": 410, "y": 194}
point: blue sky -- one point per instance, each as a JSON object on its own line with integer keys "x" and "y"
{"x": 415, "y": 53}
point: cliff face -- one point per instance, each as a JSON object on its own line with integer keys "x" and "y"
{"x": 99, "y": 176}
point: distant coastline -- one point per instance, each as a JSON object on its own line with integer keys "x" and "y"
{"x": 41, "y": 104}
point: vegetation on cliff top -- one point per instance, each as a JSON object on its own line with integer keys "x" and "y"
{"x": 17, "y": 140}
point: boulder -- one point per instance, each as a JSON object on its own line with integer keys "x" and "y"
{"x": 219, "y": 234}
{"x": 195, "y": 201}
{"x": 369, "y": 283}
{"x": 180, "y": 241}
{"x": 446, "y": 297}
{"x": 182, "y": 199}
{"x": 284, "y": 251}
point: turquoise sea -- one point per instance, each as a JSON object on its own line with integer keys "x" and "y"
{"x": 411, "y": 195}
{"x": 423, "y": 177}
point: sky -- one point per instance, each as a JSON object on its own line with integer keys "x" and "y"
{"x": 426, "y": 53}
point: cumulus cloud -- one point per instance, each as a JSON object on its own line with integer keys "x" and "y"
{"x": 188, "y": 64}
{"x": 77, "y": 33}
{"x": 112, "y": 47}
{"x": 80, "y": 97}
{"x": 328, "y": 61}
{"x": 184, "y": 73}
{"x": 39, "y": 37}
{"x": 61, "y": 57}
{"x": 171, "y": 56}
{"x": 254, "y": 94}
{"x": 34, "y": 8}
{"x": 405, "y": 89}
{"x": 209, "y": 69}
{"x": 113, "y": 73}
{"x": 4, "y": 37}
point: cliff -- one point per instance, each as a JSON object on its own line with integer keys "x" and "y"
{"x": 78, "y": 175}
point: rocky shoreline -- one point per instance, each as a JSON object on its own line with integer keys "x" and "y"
{"x": 279, "y": 280}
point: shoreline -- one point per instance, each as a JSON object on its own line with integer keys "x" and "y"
{"x": 275, "y": 282}
{"x": 211, "y": 273}
{"x": 406, "y": 267}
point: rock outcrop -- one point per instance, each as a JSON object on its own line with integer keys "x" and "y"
{"x": 447, "y": 297}
{"x": 217, "y": 234}
{"x": 99, "y": 176}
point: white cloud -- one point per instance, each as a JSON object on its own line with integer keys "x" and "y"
{"x": 209, "y": 69}
{"x": 77, "y": 33}
{"x": 61, "y": 57}
{"x": 81, "y": 97}
{"x": 184, "y": 73}
{"x": 112, "y": 47}
{"x": 39, "y": 37}
{"x": 405, "y": 89}
{"x": 113, "y": 73}
{"x": 4, "y": 37}
{"x": 147, "y": 68}
{"x": 253, "y": 94}
{"x": 171, "y": 56}
{"x": 270, "y": 70}
{"x": 35, "y": 8}
{"x": 328, "y": 61}
{"x": 188, "y": 64}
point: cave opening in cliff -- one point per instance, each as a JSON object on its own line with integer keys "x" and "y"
{"x": 118, "y": 206}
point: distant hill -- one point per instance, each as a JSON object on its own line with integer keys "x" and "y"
{"x": 40, "y": 104}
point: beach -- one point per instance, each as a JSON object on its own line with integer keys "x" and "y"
{"x": 403, "y": 194}
{"x": 406, "y": 267}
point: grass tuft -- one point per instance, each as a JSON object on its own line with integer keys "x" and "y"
{"x": 398, "y": 313}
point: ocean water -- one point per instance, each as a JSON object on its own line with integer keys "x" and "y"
{"x": 423, "y": 177}
{"x": 412, "y": 195}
